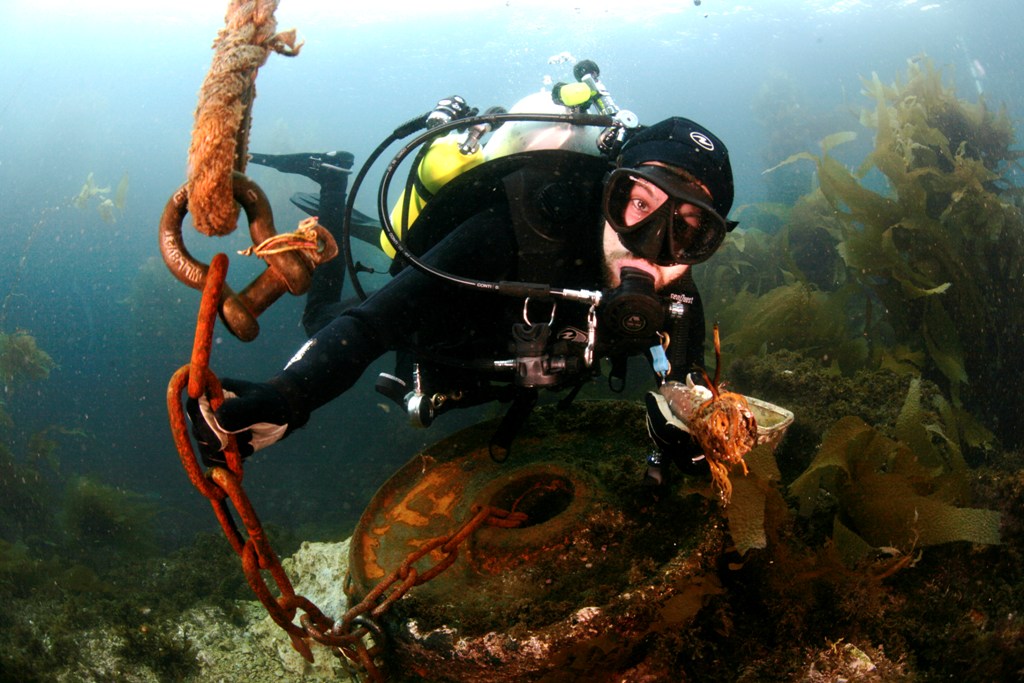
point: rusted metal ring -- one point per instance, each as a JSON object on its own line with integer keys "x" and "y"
{"x": 287, "y": 271}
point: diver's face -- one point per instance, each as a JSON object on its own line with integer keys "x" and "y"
{"x": 657, "y": 219}
{"x": 644, "y": 199}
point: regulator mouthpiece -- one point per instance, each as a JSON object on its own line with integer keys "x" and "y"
{"x": 633, "y": 309}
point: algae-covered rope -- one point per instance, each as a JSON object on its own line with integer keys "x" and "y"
{"x": 220, "y": 136}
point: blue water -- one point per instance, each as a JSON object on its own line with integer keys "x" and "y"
{"x": 110, "y": 88}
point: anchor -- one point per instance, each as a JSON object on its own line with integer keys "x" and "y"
{"x": 597, "y": 575}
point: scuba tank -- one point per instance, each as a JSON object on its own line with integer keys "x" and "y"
{"x": 447, "y": 157}
{"x": 452, "y": 155}
{"x": 442, "y": 160}
{"x": 527, "y": 136}
{"x": 564, "y": 98}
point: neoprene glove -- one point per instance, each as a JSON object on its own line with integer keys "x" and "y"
{"x": 257, "y": 414}
{"x": 667, "y": 431}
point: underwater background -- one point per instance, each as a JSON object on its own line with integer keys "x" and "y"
{"x": 95, "y": 122}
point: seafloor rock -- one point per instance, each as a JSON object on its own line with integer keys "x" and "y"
{"x": 105, "y": 635}
{"x": 257, "y": 650}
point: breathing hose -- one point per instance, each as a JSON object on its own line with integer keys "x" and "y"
{"x": 518, "y": 289}
{"x": 403, "y": 131}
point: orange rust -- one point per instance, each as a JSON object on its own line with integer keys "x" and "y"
{"x": 371, "y": 567}
{"x": 435, "y": 491}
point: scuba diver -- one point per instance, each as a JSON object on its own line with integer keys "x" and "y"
{"x": 612, "y": 233}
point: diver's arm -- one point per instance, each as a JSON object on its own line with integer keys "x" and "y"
{"x": 332, "y": 360}
{"x": 686, "y": 337}
{"x": 673, "y": 443}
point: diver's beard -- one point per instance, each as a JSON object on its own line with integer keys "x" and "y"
{"x": 611, "y": 272}
{"x": 613, "y": 252}
{"x": 617, "y": 256}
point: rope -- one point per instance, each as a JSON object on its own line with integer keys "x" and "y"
{"x": 220, "y": 137}
{"x": 305, "y": 238}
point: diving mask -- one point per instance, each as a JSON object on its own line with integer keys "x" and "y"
{"x": 662, "y": 217}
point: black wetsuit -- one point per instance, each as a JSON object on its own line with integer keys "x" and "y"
{"x": 530, "y": 218}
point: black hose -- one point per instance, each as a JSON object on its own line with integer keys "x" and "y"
{"x": 405, "y": 130}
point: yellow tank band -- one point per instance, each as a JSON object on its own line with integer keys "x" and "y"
{"x": 444, "y": 161}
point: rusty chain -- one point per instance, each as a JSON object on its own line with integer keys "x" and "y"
{"x": 348, "y": 636}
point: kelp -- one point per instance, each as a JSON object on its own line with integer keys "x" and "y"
{"x": 809, "y": 240}
{"x": 22, "y": 360}
{"x": 904, "y": 492}
{"x": 929, "y": 231}
{"x": 748, "y": 512}
{"x": 25, "y": 493}
{"x": 102, "y": 521}
{"x": 745, "y": 261}
{"x": 777, "y": 245}
{"x": 25, "y": 499}
{"x": 43, "y": 448}
{"x": 89, "y": 519}
{"x": 798, "y": 317}
{"x": 30, "y": 483}
{"x": 108, "y": 208}
{"x": 787, "y": 289}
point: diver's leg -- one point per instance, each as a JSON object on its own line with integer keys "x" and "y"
{"x": 322, "y": 300}
{"x": 317, "y": 166}
{"x": 324, "y": 296}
